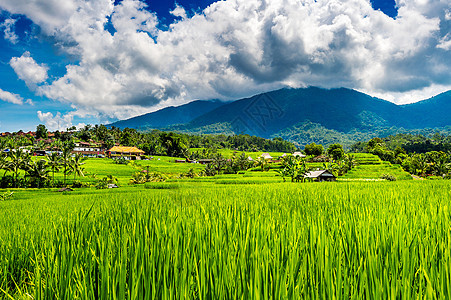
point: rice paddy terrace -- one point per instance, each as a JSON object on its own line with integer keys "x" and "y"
{"x": 371, "y": 167}
{"x": 373, "y": 240}
{"x": 248, "y": 235}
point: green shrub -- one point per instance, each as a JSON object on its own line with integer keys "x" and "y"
{"x": 388, "y": 177}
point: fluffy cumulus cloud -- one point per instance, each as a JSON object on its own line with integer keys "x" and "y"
{"x": 8, "y": 27}
{"x": 58, "y": 121}
{"x": 11, "y": 98}
{"x": 28, "y": 70}
{"x": 236, "y": 48}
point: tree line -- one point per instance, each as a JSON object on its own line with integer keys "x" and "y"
{"x": 418, "y": 155}
{"x": 21, "y": 171}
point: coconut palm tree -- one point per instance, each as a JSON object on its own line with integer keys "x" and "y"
{"x": 18, "y": 159}
{"x": 76, "y": 163}
{"x": 38, "y": 170}
{"x": 66, "y": 159}
{"x": 54, "y": 162}
{"x": 261, "y": 162}
{"x": 57, "y": 144}
{"x": 3, "y": 143}
{"x": 219, "y": 162}
{"x": 3, "y": 161}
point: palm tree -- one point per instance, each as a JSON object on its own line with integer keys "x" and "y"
{"x": 2, "y": 144}
{"x": 57, "y": 144}
{"x": 3, "y": 161}
{"x": 54, "y": 161}
{"x": 219, "y": 162}
{"x": 261, "y": 162}
{"x": 66, "y": 159}
{"x": 350, "y": 161}
{"x": 283, "y": 172}
{"x": 18, "y": 159}
{"x": 38, "y": 170}
{"x": 76, "y": 163}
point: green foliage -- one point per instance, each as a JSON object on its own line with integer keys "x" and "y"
{"x": 41, "y": 132}
{"x": 388, "y": 177}
{"x": 121, "y": 161}
{"x": 141, "y": 177}
{"x": 336, "y": 151}
{"x": 314, "y": 149}
{"x": 6, "y": 195}
{"x": 293, "y": 167}
{"x": 105, "y": 181}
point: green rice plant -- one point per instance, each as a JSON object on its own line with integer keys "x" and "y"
{"x": 375, "y": 240}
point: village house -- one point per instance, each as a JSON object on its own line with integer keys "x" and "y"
{"x": 266, "y": 156}
{"x": 205, "y": 161}
{"x": 299, "y": 154}
{"x": 320, "y": 175}
{"x": 129, "y": 153}
{"x": 88, "y": 149}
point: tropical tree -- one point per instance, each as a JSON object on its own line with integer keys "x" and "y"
{"x": 3, "y": 161}
{"x": 41, "y": 132}
{"x": 3, "y": 143}
{"x": 57, "y": 144}
{"x": 313, "y": 149}
{"x": 336, "y": 151}
{"x": 331, "y": 167}
{"x": 283, "y": 172}
{"x": 294, "y": 167}
{"x": 54, "y": 162}
{"x": 66, "y": 159}
{"x": 348, "y": 162}
{"x": 261, "y": 162}
{"x": 219, "y": 162}
{"x": 241, "y": 161}
{"x": 38, "y": 171}
{"x": 438, "y": 162}
{"x": 75, "y": 165}
{"x": 18, "y": 159}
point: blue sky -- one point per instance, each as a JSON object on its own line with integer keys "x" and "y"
{"x": 74, "y": 62}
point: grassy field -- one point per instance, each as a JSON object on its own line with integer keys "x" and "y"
{"x": 374, "y": 240}
{"x": 229, "y": 153}
{"x": 371, "y": 167}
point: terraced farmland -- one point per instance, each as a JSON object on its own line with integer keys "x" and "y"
{"x": 371, "y": 167}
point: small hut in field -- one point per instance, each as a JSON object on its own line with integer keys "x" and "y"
{"x": 321, "y": 175}
{"x": 266, "y": 156}
{"x": 299, "y": 154}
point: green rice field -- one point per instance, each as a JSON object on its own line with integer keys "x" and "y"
{"x": 199, "y": 240}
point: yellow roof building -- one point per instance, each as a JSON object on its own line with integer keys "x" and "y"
{"x": 128, "y": 150}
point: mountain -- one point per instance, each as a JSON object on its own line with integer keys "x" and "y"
{"x": 170, "y": 115}
{"x": 338, "y": 109}
{"x": 433, "y": 112}
{"x": 301, "y": 115}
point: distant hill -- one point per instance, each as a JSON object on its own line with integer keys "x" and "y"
{"x": 433, "y": 112}
{"x": 170, "y": 115}
{"x": 338, "y": 109}
{"x": 301, "y": 115}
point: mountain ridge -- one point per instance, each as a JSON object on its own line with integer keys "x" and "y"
{"x": 341, "y": 110}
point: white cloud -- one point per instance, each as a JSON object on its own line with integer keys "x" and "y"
{"x": 58, "y": 121}
{"x": 179, "y": 11}
{"x": 9, "y": 30}
{"x": 236, "y": 48}
{"x": 28, "y": 70}
{"x": 50, "y": 15}
{"x": 10, "y": 97}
